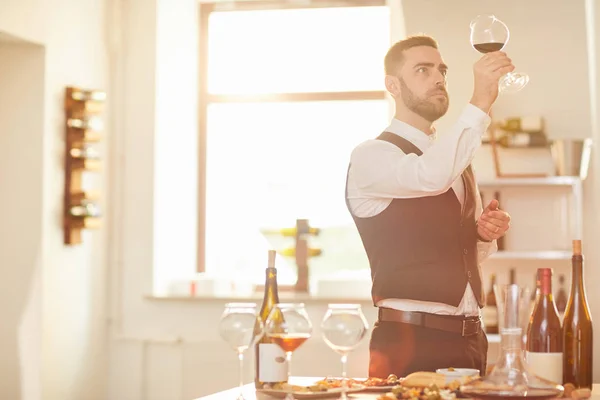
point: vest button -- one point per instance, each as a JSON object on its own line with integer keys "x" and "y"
{"x": 465, "y": 251}
{"x": 469, "y": 274}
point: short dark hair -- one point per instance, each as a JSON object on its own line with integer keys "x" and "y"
{"x": 395, "y": 55}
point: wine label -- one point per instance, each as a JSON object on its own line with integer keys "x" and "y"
{"x": 272, "y": 365}
{"x": 490, "y": 315}
{"x": 546, "y": 365}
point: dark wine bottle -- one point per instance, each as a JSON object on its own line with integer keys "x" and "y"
{"x": 561, "y": 296}
{"x": 544, "y": 352}
{"x": 489, "y": 313}
{"x": 270, "y": 363}
{"x": 577, "y": 328}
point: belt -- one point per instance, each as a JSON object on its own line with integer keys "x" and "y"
{"x": 465, "y": 326}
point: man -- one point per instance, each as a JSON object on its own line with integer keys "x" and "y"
{"x": 416, "y": 205}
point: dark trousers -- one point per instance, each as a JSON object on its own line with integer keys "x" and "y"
{"x": 400, "y": 349}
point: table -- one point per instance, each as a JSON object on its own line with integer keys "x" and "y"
{"x": 250, "y": 392}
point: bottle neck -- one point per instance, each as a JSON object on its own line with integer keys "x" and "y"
{"x": 577, "y": 277}
{"x": 271, "y": 290}
{"x": 546, "y": 285}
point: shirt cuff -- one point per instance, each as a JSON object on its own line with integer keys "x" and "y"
{"x": 486, "y": 249}
{"x": 475, "y": 118}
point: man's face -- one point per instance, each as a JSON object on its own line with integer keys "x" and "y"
{"x": 422, "y": 79}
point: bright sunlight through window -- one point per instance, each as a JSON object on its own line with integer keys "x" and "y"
{"x": 269, "y": 163}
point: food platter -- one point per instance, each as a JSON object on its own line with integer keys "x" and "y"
{"x": 372, "y": 385}
{"x": 306, "y": 393}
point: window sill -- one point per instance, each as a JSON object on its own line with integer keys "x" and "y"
{"x": 257, "y": 297}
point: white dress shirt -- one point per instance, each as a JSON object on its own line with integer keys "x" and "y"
{"x": 380, "y": 172}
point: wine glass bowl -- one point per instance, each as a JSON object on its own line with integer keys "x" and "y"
{"x": 289, "y": 326}
{"x": 343, "y": 327}
{"x": 240, "y": 327}
{"x": 489, "y": 34}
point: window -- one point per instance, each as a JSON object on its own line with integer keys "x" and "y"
{"x": 288, "y": 94}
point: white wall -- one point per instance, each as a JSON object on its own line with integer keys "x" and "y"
{"x": 21, "y": 138}
{"x": 71, "y": 281}
{"x": 24, "y": 19}
{"x": 74, "y": 278}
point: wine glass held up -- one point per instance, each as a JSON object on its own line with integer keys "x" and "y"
{"x": 489, "y": 34}
{"x": 289, "y": 326}
{"x": 344, "y": 326}
{"x": 241, "y": 327}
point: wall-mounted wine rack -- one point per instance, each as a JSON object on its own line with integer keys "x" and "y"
{"x": 83, "y": 127}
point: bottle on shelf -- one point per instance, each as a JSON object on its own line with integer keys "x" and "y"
{"x": 86, "y": 208}
{"x": 490, "y": 311}
{"x": 561, "y": 297}
{"x": 291, "y": 252}
{"x": 500, "y": 242}
{"x": 88, "y": 95}
{"x": 535, "y": 290}
{"x": 529, "y": 124}
{"x": 516, "y": 140}
{"x": 270, "y": 361}
{"x": 544, "y": 351}
{"x": 577, "y": 328}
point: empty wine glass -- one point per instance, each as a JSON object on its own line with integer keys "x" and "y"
{"x": 489, "y": 34}
{"x": 289, "y": 326}
{"x": 240, "y": 326}
{"x": 344, "y": 326}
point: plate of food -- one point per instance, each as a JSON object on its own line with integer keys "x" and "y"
{"x": 423, "y": 386}
{"x": 370, "y": 384}
{"x": 319, "y": 390}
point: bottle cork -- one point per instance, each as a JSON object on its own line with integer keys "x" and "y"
{"x": 576, "y": 247}
{"x": 271, "y": 260}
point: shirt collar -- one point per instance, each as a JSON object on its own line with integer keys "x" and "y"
{"x": 412, "y": 134}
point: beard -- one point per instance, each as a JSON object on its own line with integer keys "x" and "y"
{"x": 431, "y": 109}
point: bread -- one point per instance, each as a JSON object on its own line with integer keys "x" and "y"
{"x": 423, "y": 379}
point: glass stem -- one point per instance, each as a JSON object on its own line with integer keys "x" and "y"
{"x": 344, "y": 376}
{"x": 241, "y": 359}
{"x": 288, "y": 357}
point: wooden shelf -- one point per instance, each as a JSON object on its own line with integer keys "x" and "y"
{"x": 546, "y": 181}
{"x": 80, "y": 106}
{"x": 556, "y": 255}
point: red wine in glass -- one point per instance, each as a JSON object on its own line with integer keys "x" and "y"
{"x": 488, "y": 47}
{"x": 489, "y": 34}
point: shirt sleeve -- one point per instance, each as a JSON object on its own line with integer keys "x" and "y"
{"x": 380, "y": 170}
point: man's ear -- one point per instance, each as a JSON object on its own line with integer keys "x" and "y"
{"x": 392, "y": 84}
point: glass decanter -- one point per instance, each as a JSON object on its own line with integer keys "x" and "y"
{"x": 510, "y": 377}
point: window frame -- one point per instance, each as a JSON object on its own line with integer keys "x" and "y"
{"x": 205, "y": 98}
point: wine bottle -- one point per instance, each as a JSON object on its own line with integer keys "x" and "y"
{"x": 577, "y": 328}
{"x": 270, "y": 362}
{"x": 535, "y": 291}
{"x": 291, "y": 252}
{"x": 519, "y": 140}
{"x": 489, "y": 313}
{"x": 88, "y": 95}
{"x": 561, "y": 297}
{"x": 529, "y": 124}
{"x": 544, "y": 352}
{"x": 500, "y": 242}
